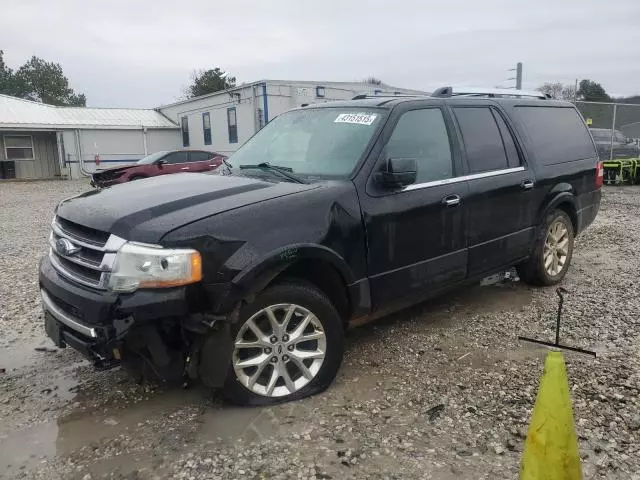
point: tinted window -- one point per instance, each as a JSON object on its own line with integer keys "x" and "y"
{"x": 232, "y": 125}
{"x": 557, "y": 134}
{"x": 200, "y": 156}
{"x": 513, "y": 158}
{"x": 422, "y": 134}
{"x": 482, "y": 139}
{"x": 206, "y": 128}
{"x": 184, "y": 126}
{"x": 177, "y": 157}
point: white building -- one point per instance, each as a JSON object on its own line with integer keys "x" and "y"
{"x": 223, "y": 121}
{"x": 45, "y": 141}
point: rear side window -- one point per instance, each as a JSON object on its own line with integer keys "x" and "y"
{"x": 557, "y": 134}
{"x": 200, "y": 156}
{"x": 482, "y": 139}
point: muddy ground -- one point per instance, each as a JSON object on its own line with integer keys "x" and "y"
{"x": 440, "y": 391}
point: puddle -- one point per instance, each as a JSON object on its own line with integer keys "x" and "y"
{"x": 24, "y": 354}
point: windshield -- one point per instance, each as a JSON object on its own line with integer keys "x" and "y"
{"x": 320, "y": 141}
{"x": 151, "y": 158}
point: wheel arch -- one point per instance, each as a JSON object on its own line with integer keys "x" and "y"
{"x": 562, "y": 197}
{"x": 315, "y": 264}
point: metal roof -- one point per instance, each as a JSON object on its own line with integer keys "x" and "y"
{"x": 350, "y": 86}
{"x": 19, "y": 113}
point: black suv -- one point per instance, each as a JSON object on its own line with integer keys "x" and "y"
{"x": 330, "y": 216}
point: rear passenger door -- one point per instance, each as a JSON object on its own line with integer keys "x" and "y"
{"x": 200, "y": 161}
{"x": 500, "y": 204}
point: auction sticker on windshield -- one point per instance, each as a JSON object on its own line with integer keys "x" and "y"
{"x": 358, "y": 118}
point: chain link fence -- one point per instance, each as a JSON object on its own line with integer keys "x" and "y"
{"x": 615, "y": 127}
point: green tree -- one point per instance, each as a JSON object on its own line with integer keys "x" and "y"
{"x": 45, "y": 82}
{"x": 7, "y": 81}
{"x": 39, "y": 81}
{"x": 591, "y": 91}
{"x": 209, "y": 81}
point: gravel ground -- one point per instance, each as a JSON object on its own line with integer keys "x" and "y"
{"x": 440, "y": 391}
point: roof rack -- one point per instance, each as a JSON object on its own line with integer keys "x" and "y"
{"x": 363, "y": 96}
{"x": 487, "y": 92}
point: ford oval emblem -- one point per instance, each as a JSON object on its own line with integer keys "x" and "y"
{"x": 65, "y": 248}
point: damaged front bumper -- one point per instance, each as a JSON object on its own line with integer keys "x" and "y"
{"x": 96, "y": 322}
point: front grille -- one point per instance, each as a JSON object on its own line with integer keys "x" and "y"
{"x": 82, "y": 233}
{"x": 92, "y": 257}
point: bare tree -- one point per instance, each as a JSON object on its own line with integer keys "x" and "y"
{"x": 558, "y": 90}
{"x": 373, "y": 80}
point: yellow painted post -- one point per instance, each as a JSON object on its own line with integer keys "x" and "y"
{"x": 551, "y": 448}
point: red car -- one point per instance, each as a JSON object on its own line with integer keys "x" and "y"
{"x": 159, "y": 163}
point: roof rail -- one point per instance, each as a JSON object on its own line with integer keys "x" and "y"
{"x": 363, "y": 96}
{"x": 487, "y": 92}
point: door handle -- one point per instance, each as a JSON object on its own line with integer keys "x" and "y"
{"x": 451, "y": 200}
{"x": 184, "y": 168}
{"x": 527, "y": 184}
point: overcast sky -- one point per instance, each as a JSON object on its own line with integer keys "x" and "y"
{"x": 140, "y": 53}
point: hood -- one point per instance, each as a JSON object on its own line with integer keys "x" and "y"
{"x": 108, "y": 172}
{"x": 147, "y": 210}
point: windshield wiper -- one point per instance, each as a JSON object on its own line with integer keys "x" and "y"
{"x": 284, "y": 171}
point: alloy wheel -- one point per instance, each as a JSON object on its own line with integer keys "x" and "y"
{"x": 556, "y": 248}
{"x": 279, "y": 350}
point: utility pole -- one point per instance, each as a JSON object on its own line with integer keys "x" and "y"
{"x": 518, "y": 77}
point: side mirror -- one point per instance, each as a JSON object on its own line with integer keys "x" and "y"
{"x": 160, "y": 163}
{"x": 399, "y": 172}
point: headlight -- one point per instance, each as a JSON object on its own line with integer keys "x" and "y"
{"x": 142, "y": 266}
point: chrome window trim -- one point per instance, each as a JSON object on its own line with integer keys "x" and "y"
{"x": 65, "y": 318}
{"x": 464, "y": 178}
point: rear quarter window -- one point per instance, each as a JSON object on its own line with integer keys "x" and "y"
{"x": 557, "y": 134}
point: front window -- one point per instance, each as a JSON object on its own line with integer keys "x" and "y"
{"x": 322, "y": 141}
{"x": 149, "y": 159}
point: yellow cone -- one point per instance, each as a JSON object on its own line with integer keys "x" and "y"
{"x": 551, "y": 448}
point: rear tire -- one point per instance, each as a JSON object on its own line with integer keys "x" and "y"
{"x": 136, "y": 177}
{"x": 288, "y": 367}
{"x": 552, "y": 251}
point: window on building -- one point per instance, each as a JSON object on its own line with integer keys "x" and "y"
{"x": 422, "y": 134}
{"x": 232, "y": 124}
{"x": 185, "y": 131}
{"x": 260, "y": 119}
{"x": 482, "y": 139}
{"x": 320, "y": 92}
{"x": 206, "y": 127}
{"x": 18, "y": 147}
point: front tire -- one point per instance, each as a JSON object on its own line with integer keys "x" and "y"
{"x": 288, "y": 344}
{"x": 552, "y": 251}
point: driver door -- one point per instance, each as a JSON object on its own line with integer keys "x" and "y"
{"x": 416, "y": 234}
{"x": 175, "y": 162}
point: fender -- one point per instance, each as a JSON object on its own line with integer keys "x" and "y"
{"x": 561, "y": 193}
{"x": 258, "y": 274}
